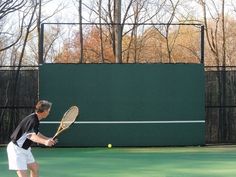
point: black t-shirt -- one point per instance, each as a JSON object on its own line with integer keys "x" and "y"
{"x": 29, "y": 124}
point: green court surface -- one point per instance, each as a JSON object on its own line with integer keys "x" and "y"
{"x": 132, "y": 162}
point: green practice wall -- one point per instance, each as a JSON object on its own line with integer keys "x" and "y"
{"x": 126, "y": 104}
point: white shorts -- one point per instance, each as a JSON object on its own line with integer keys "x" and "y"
{"x": 18, "y": 158}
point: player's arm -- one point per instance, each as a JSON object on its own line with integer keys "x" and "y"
{"x": 38, "y": 139}
{"x": 47, "y": 138}
{"x": 42, "y": 136}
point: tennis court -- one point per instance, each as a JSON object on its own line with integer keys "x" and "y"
{"x": 210, "y": 161}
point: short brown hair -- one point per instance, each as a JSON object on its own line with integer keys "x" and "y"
{"x": 43, "y": 105}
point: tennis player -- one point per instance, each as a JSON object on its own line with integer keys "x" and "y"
{"x": 19, "y": 153}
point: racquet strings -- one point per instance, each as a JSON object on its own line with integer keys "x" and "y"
{"x": 69, "y": 117}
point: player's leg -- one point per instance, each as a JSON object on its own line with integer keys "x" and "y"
{"x": 22, "y": 173}
{"x": 34, "y": 169}
{"x": 32, "y": 164}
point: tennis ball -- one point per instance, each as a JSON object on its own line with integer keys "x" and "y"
{"x": 109, "y": 145}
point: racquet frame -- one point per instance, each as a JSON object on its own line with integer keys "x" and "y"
{"x": 61, "y": 128}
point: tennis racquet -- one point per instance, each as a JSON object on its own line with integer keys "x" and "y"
{"x": 67, "y": 119}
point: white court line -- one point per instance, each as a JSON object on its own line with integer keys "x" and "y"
{"x": 129, "y": 122}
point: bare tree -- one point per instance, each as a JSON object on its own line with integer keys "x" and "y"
{"x": 80, "y": 29}
{"x": 100, "y": 31}
{"x": 116, "y": 14}
{"x": 41, "y": 18}
{"x": 171, "y": 11}
{"x": 215, "y": 28}
{"x": 7, "y": 8}
{"x": 118, "y": 32}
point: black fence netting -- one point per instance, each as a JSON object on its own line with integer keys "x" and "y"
{"x": 220, "y": 91}
{"x": 18, "y": 94}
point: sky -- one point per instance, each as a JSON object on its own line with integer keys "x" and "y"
{"x": 70, "y": 13}
{"x": 67, "y": 14}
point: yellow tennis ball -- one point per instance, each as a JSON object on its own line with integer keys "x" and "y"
{"x": 109, "y": 145}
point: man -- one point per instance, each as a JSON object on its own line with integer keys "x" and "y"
{"x": 19, "y": 153}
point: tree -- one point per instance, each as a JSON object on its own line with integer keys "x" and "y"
{"x": 91, "y": 48}
{"x": 217, "y": 37}
{"x": 7, "y": 8}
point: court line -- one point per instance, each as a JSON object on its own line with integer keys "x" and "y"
{"x": 129, "y": 122}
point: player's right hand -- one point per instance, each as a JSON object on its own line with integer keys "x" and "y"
{"x": 50, "y": 142}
